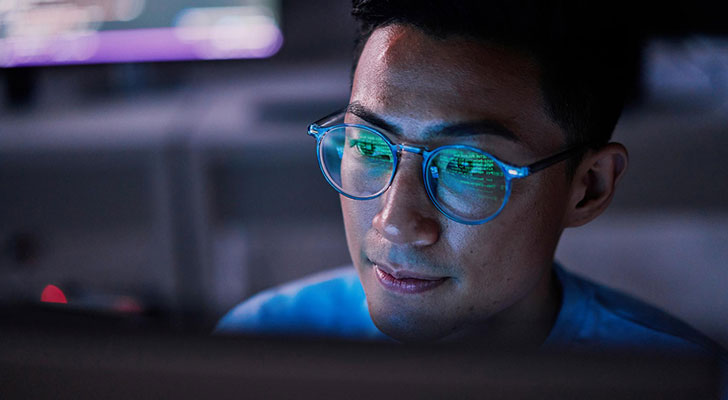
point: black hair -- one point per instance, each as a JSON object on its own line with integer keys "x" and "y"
{"x": 588, "y": 55}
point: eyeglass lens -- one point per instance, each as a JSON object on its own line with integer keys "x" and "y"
{"x": 464, "y": 183}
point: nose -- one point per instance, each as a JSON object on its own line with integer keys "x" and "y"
{"x": 406, "y": 215}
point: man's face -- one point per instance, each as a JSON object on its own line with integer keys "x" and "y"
{"x": 427, "y": 277}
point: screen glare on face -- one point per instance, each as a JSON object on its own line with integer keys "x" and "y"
{"x": 467, "y": 167}
{"x": 358, "y": 162}
{"x": 463, "y": 182}
{"x": 370, "y": 147}
{"x": 466, "y": 183}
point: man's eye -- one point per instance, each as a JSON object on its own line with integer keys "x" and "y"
{"x": 461, "y": 171}
{"x": 466, "y": 164}
{"x": 460, "y": 165}
{"x": 366, "y": 149}
{"x": 370, "y": 149}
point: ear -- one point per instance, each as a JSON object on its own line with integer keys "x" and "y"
{"x": 594, "y": 182}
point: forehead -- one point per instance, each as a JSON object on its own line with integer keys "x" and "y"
{"x": 417, "y": 80}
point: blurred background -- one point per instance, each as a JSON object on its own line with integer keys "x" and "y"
{"x": 155, "y": 167}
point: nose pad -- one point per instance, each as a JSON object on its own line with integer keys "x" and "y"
{"x": 407, "y": 216}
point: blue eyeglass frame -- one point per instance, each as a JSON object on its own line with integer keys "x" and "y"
{"x": 319, "y": 129}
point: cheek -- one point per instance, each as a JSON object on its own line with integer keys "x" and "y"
{"x": 538, "y": 209}
{"x": 554, "y": 200}
{"x": 484, "y": 254}
{"x": 358, "y": 217}
{"x": 519, "y": 241}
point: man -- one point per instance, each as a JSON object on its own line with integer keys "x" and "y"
{"x": 475, "y": 134}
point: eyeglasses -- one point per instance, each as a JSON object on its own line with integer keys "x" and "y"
{"x": 465, "y": 183}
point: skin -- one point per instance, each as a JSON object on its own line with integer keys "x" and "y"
{"x": 499, "y": 288}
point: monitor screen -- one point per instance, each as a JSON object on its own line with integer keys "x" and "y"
{"x": 53, "y": 32}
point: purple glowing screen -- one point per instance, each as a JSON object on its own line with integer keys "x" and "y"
{"x": 38, "y": 33}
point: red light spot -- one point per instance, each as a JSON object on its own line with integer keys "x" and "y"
{"x": 127, "y": 304}
{"x": 52, "y": 294}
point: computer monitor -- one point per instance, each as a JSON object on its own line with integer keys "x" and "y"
{"x": 40, "y": 32}
{"x": 46, "y": 353}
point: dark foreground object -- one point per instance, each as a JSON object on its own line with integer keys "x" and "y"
{"x": 66, "y": 362}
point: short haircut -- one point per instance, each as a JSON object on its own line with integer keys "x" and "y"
{"x": 587, "y": 58}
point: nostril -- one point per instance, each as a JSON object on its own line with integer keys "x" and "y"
{"x": 428, "y": 232}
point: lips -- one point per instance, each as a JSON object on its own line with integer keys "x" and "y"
{"x": 406, "y": 282}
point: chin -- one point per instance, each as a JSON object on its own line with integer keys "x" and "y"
{"x": 408, "y": 327}
{"x": 416, "y": 319}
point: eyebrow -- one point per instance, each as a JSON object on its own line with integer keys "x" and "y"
{"x": 469, "y": 128}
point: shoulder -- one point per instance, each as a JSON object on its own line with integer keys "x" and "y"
{"x": 594, "y": 317}
{"x": 330, "y": 303}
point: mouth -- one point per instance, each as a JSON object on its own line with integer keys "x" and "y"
{"x": 407, "y": 282}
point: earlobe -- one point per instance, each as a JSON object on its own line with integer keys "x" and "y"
{"x": 594, "y": 183}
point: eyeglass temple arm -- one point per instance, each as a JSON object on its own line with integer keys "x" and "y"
{"x": 558, "y": 157}
{"x": 313, "y": 128}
